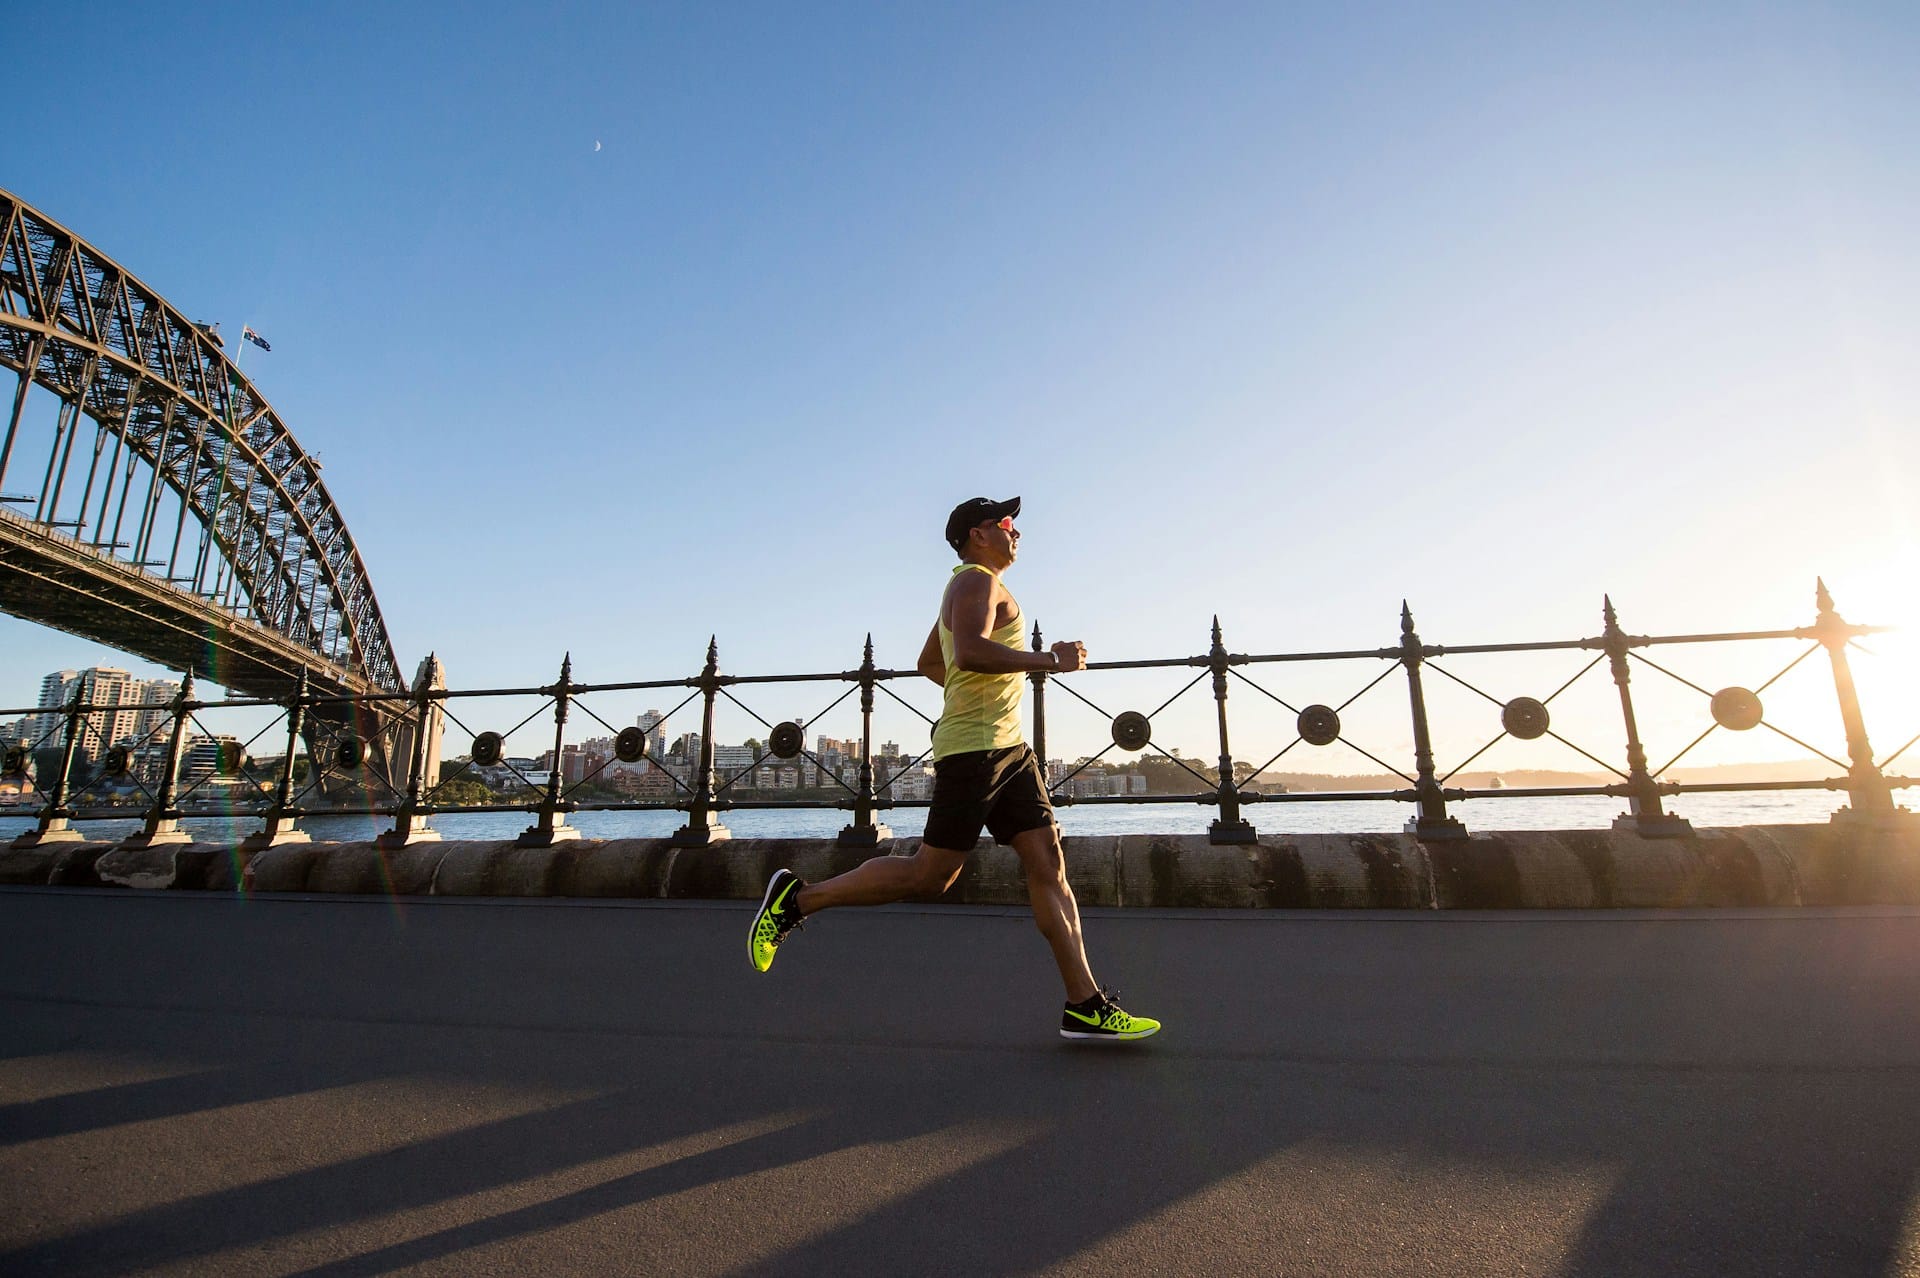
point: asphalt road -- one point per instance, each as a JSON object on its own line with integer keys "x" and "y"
{"x": 193, "y": 1084}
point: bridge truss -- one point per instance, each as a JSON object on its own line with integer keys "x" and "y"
{"x": 173, "y": 514}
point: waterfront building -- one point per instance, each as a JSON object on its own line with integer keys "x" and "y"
{"x": 578, "y": 762}
{"x": 126, "y": 720}
{"x": 915, "y": 785}
{"x": 729, "y": 760}
{"x": 650, "y": 723}
{"x": 654, "y": 783}
{"x": 216, "y": 757}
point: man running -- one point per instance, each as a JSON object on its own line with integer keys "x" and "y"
{"x": 984, "y": 774}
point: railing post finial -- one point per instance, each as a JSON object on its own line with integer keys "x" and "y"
{"x": 56, "y": 819}
{"x": 865, "y": 832}
{"x": 701, "y": 829}
{"x": 1645, "y": 815}
{"x": 410, "y": 818}
{"x": 1229, "y": 826}
{"x": 550, "y": 816}
{"x": 1039, "y": 681}
{"x": 1870, "y": 799}
{"x": 1430, "y": 820}
{"x": 162, "y": 822}
{"x": 278, "y": 823}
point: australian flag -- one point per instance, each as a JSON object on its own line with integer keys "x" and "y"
{"x": 247, "y": 332}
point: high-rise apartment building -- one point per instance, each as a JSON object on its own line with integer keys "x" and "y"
{"x": 153, "y": 723}
{"x": 56, "y": 690}
{"x": 650, "y": 723}
{"x": 107, "y": 687}
{"x": 123, "y": 719}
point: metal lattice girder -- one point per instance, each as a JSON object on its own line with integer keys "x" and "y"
{"x": 161, "y": 390}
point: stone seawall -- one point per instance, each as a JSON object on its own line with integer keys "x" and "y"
{"x": 1781, "y": 865}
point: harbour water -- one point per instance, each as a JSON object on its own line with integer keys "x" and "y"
{"x": 1789, "y": 807}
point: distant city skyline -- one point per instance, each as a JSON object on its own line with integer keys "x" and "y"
{"x": 618, "y": 329}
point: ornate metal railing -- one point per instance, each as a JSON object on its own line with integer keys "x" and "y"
{"x": 336, "y": 779}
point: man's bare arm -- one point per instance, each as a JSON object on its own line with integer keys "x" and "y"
{"x": 932, "y": 664}
{"x": 971, "y": 619}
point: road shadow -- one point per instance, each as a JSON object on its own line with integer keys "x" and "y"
{"x": 1350, "y": 1101}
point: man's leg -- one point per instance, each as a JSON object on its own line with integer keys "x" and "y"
{"x": 886, "y": 878}
{"x": 953, "y": 826}
{"x": 929, "y": 871}
{"x": 1055, "y": 912}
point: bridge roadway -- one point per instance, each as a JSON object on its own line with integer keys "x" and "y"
{"x": 192, "y": 1084}
{"x": 49, "y": 578}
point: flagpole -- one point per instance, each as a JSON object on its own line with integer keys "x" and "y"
{"x": 226, "y": 576}
{"x": 226, "y": 600}
{"x": 220, "y": 491}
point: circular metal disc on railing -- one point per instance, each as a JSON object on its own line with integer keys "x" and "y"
{"x": 1737, "y": 709}
{"x": 787, "y": 740}
{"x": 1132, "y": 730}
{"x": 119, "y": 761}
{"x": 16, "y": 762}
{"x": 1318, "y": 725}
{"x": 487, "y": 749}
{"x": 349, "y": 753}
{"x": 1525, "y": 718}
{"x": 630, "y": 745}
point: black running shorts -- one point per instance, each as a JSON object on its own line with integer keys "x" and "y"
{"x": 1000, "y": 789}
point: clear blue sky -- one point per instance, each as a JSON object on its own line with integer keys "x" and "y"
{"x": 1280, "y": 312}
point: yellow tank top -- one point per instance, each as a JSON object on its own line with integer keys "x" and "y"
{"x": 981, "y": 711}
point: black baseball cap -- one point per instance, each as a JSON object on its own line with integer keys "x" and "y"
{"x": 970, "y": 514}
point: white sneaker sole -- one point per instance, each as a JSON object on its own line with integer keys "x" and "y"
{"x": 1095, "y": 1036}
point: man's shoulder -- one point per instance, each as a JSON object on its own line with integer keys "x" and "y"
{"x": 974, "y": 577}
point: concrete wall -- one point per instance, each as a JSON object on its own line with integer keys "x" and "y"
{"x": 1749, "y": 866}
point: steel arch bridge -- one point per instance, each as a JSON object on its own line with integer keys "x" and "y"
{"x": 173, "y": 515}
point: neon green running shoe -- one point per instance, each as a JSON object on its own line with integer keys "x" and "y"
{"x": 776, "y": 919}
{"x": 1102, "y": 1018}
